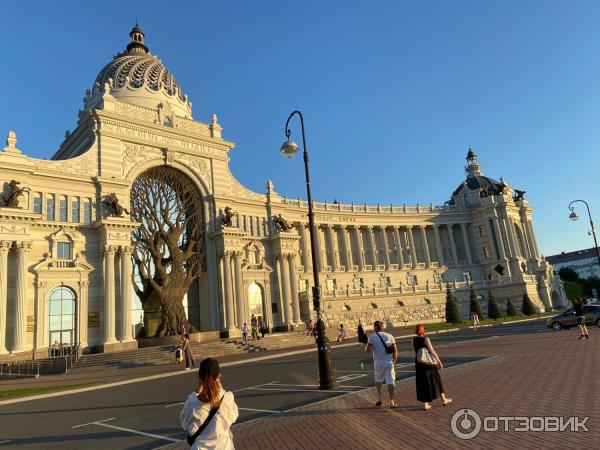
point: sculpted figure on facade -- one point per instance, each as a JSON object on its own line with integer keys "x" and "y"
{"x": 227, "y": 217}
{"x": 281, "y": 223}
{"x": 519, "y": 195}
{"x": 114, "y": 207}
{"x": 11, "y": 199}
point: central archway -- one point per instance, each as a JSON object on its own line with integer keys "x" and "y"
{"x": 255, "y": 301}
{"x": 168, "y": 251}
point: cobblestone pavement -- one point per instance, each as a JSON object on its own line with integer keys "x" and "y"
{"x": 542, "y": 374}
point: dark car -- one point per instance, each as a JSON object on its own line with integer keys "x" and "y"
{"x": 567, "y": 319}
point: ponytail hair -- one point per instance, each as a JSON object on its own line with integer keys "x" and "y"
{"x": 210, "y": 385}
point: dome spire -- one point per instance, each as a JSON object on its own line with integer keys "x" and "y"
{"x": 473, "y": 168}
{"x": 137, "y": 40}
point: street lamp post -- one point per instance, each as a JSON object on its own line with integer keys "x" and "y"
{"x": 574, "y": 216}
{"x": 326, "y": 375}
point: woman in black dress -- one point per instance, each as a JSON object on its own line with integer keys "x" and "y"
{"x": 429, "y": 382}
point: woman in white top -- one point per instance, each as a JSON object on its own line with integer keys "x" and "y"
{"x": 209, "y": 395}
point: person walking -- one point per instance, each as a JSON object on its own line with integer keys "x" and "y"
{"x": 186, "y": 350}
{"x": 580, "y": 316}
{"x": 263, "y": 328}
{"x": 309, "y": 327}
{"x": 475, "y": 321}
{"x": 254, "y": 327}
{"x": 245, "y": 333}
{"x": 385, "y": 353}
{"x": 360, "y": 333}
{"x": 209, "y": 411}
{"x": 427, "y": 366}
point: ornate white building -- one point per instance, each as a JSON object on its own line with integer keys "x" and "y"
{"x": 65, "y": 261}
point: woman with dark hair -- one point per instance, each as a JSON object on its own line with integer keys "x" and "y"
{"x": 187, "y": 351}
{"x": 209, "y": 411}
{"x": 427, "y": 365}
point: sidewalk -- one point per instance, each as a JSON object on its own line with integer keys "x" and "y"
{"x": 544, "y": 374}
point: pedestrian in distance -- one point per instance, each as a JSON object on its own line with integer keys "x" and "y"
{"x": 186, "y": 350}
{"x": 263, "y": 328}
{"x": 580, "y": 316}
{"x": 209, "y": 411}
{"x": 385, "y": 353}
{"x": 360, "y": 333}
{"x": 309, "y": 327}
{"x": 427, "y": 367}
{"x": 254, "y": 327}
{"x": 475, "y": 321}
{"x": 341, "y": 333}
{"x": 245, "y": 333}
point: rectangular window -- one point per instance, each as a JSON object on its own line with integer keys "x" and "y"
{"x": 75, "y": 210}
{"x": 87, "y": 211}
{"x": 37, "y": 203}
{"x": 486, "y": 252}
{"x": 63, "y": 209}
{"x": 481, "y": 230}
{"x": 63, "y": 250}
{"x": 50, "y": 207}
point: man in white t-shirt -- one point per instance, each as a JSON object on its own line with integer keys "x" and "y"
{"x": 384, "y": 363}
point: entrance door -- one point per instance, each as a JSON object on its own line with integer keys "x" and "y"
{"x": 255, "y": 300}
{"x": 61, "y": 316}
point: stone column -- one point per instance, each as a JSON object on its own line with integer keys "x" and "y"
{"x": 317, "y": 250}
{"x": 510, "y": 236}
{"x": 425, "y": 245}
{"x": 239, "y": 289}
{"x": 334, "y": 248}
{"x": 109, "y": 294}
{"x": 386, "y": 250}
{"x": 125, "y": 334}
{"x": 413, "y": 251}
{"x": 361, "y": 250}
{"x": 532, "y": 239}
{"x": 83, "y": 313}
{"x": 452, "y": 245}
{"x": 465, "y": 237}
{"x": 20, "y": 312}
{"x": 491, "y": 238}
{"x": 347, "y": 248}
{"x": 230, "y": 319}
{"x": 374, "y": 259}
{"x": 4, "y": 249}
{"x": 438, "y": 246}
{"x": 285, "y": 289}
{"x": 294, "y": 289}
{"x": 499, "y": 239}
{"x": 399, "y": 252}
{"x": 305, "y": 245}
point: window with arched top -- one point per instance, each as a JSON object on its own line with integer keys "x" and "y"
{"x": 61, "y": 316}
{"x": 255, "y": 300}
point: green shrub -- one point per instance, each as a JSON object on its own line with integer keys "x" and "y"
{"x": 452, "y": 310}
{"x": 510, "y": 308}
{"x": 528, "y": 308}
{"x": 493, "y": 308}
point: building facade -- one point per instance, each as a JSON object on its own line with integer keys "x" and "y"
{"x": 66, "y": 257}
{"x": 584, "y": 262}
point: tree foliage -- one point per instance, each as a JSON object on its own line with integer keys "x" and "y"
{"x": 493, "y": 308}
{"x": 510, "y": 308}
{"x": 474, "y": 305}
{"x": 568, "y": 274}
{"x": 528, "y": 308}
{"x": 168, "y": 244}
{"x": 452, "y": 309}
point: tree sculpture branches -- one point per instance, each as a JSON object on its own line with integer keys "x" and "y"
{"x": 168, "y": 253}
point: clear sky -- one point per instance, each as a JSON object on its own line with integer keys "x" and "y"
{"x": 393, "y": 92}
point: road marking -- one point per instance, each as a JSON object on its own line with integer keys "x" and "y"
{"x": 141, "y": 433}
{"x": 93, "y": 423}
{"x": 259, "y": 410}
{"x": 301, "y": 390}
{"x": 316, "y": 385}
{"x": 352, "y": 376}
{"x": 258, "y": 385}
{"x": 175, "y": 404}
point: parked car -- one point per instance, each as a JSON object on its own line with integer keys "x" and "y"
{"x": 567, "y": 319}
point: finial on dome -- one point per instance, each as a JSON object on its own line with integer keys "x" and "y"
{"x": 472, "y": 168}
{"x": 137, "y": 40}
{"x": 11, "y": 143}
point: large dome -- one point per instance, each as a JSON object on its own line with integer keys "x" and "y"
{"x": 140, "y": 78}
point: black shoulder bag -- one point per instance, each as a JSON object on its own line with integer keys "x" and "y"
{"x": 192, "y": 438}
{"x": 388, "y": 348}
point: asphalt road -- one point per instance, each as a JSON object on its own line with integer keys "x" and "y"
{"x": 145, "y": 415}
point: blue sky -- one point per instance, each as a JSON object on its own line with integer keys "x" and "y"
{"x": 393, "y": 92}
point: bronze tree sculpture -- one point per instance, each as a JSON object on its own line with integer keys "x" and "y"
{"x": 168, "y": 245}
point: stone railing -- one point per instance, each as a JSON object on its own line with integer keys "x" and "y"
{"x": 364, "y": 208}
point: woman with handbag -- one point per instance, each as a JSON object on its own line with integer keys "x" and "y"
{"x": 427, "y": 365}
{"x": 209, "y": 411}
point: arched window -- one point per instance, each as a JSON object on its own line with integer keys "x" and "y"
{"x": 61, "y": 316}
{"x": 255, "y": 300}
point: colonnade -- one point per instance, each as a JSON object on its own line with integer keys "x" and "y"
{"x": 111, "y": 253}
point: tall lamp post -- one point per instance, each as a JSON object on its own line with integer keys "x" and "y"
{"x": 574, "y": 216}
{"x": 289, "y": 149}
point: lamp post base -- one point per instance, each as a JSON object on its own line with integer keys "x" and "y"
{"x": 326, "y": 372}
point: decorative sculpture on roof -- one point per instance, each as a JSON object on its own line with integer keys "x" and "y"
{"x": 281, "y": 223}
{"x": 227, "y": 217}
{"x": 112, "y": 203}
{"x": 11, "y": 200}
{"x": 519, "y": 195}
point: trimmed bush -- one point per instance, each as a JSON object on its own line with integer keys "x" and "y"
{"x": 474, "y": 305}
{"x": 452, "y": 310}
{"x": 528, "y": 308}
{"x": 510, "y": 308}
{"x": 493, "y": 308}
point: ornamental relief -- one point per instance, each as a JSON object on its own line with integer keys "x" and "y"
{"x": 135, "y": 154}
{"x": 12, "y": 229}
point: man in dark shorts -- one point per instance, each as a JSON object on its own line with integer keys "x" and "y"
{"x": 578, "y": 307}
